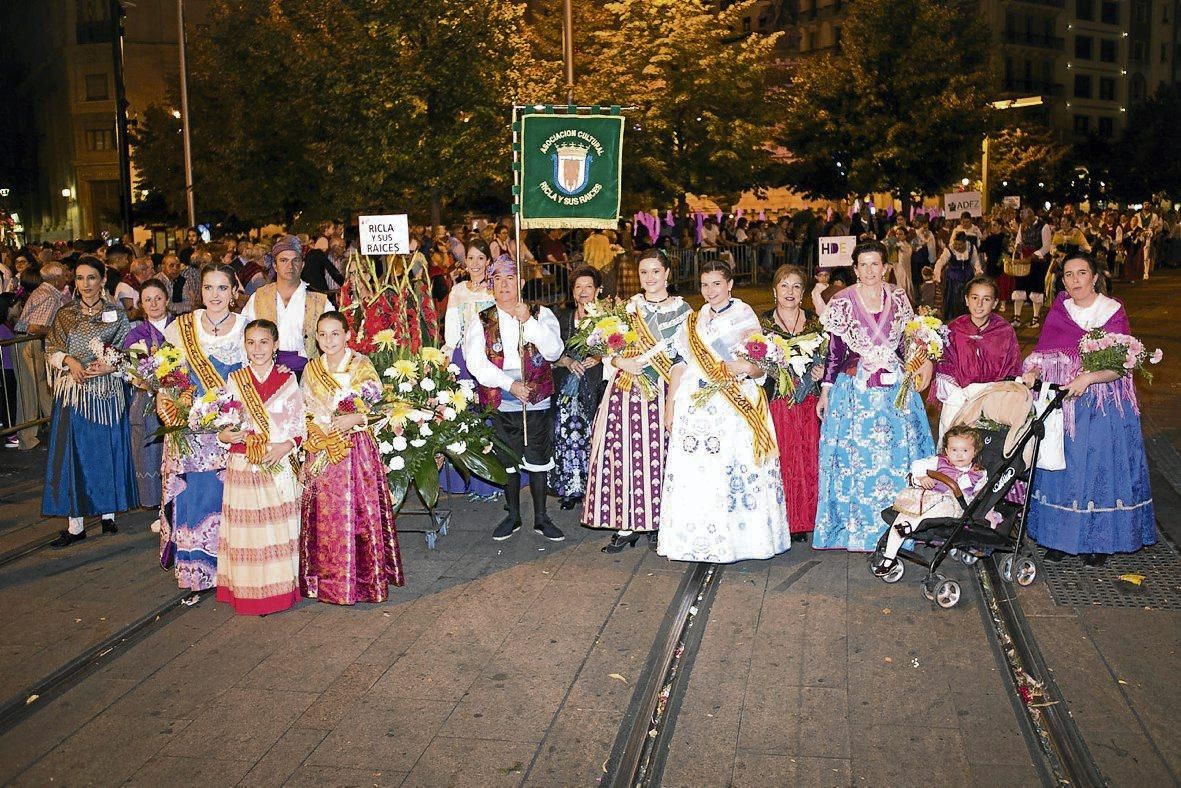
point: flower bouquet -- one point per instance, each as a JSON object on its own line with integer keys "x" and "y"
{"x": 926, "y": 339}
{"x": 164, "y": 373}
{"x": 329, "y": 445}
{"x": 1101, "y": 351}
{"x": 607, "y": 332}
{"x": 425, "y": 413}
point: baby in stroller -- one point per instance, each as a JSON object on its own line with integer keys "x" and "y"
{"x": 928, "y": 497}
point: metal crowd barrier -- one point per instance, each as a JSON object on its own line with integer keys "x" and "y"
{"x": 751, "y": 263}
{"x": 8, "y": 381}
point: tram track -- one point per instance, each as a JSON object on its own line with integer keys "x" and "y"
{"x": 1060, "y": 752}
{"x": 41, "y": 692}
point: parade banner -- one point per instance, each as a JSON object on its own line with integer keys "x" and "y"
{"x": 382, "y": 235}
{"x": 957, "y": 203}
{"x": 837, "y": 251}
{"x": 570, "y": 170}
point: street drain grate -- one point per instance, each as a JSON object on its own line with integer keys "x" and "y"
{"x": 1072, "y": 584}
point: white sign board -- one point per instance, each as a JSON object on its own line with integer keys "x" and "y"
{"x": 1012, "y": 201}
{"x": 837, "y": 251}
{"x": 956, "y": 204}
{"x": 382, "y": 235}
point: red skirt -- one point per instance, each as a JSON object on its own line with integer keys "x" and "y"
{"x": 1004, "y": 286}
{"x": 797, "y": 431}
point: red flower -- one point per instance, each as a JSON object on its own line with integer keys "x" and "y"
{"x": 756, "y": 350}
{"x": 615, "y": 342}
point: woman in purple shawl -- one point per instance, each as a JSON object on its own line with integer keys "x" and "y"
{"x": 146, "y": 450}
{"x": 1101, "y": 503}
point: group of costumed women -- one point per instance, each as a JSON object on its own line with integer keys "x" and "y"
{"x": 703, "y": 456}
{"x": 237, "y": 511}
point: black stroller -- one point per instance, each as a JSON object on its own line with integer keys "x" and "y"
{"x": 1009, "y": 456}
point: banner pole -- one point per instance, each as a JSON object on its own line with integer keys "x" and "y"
{"x": 520, "y": 261}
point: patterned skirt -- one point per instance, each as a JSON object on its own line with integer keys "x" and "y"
{"x": 571, "y": 447}
{"x": 190, "y": 509}
{"x": 348, "y": 547}
{"x": 866, "y": 448}
{"x": 797, "y": 431}
{"x": 89, "y": 470}
{"x": 623, "y": 486}
{"x": 258, "y": 549}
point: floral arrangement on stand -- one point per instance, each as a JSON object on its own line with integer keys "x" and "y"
{"x": 390, "y": 294}
{"x": 1101, "y": 351}
{"x": 427, "y": 413}
{"x": 926, "y": 340}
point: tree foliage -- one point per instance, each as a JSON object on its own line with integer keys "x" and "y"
{"x": 327, "y": 106}
{"x": 1024, "y": 157}
{"x": 1148, "y": 158}
{"x": 700, "y": 92}
{"x": 901, "y": 108}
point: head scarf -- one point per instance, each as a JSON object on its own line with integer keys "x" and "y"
{"x": 504, "y": 266}
{"x": 288, "y": 243}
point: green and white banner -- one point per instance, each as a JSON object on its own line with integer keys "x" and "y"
{"x": 570, "y": 167}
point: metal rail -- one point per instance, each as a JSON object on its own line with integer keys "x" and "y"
{"x": 1060, "y": 752}
{"x": 639, "y": 753}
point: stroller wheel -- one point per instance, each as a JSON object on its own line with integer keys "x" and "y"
{"x": 1026, "y": 572}
{"x": 947, "y": 594}
{"x": 968, "y": 558}
{"x": 929, "y": 585}
{"x": 896, "y": 571}
{"x": 1006, "y": 568}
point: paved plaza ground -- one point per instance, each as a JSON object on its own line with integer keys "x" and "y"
{"x": 517, "y": 663}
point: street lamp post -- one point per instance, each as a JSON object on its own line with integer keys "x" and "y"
{"x": 116, "y": 11}
{"x": 184, "y": 113}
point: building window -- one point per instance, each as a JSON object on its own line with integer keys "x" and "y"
{"x": 1084, "y": 9}
{"x": 1082, "y": 125}
{"x": 836, "y": 36}
{"x": 93, "y": 21}
{"x": 1106, "y": 89}
{"x": 1082, "y": 47}
{"x": 1164, "y": 53}
{"x": 96, "y": 87}
{"x": 1109, "y": 13}
{"x": 100, "y": 139}
{"x": 746, "y": 24}
{"x": 1143, "y": 11}
{"x": 1107, "y": 50}
{"x": 1106, "y": 128}
{"x": 1137, "y": 88}
{"x": 1082, "y": 86}
{"x": 1139, "y": 52}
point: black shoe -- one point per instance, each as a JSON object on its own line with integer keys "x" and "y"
{"x": 65, "y": 539}
{"x": 1054, "y": 556}
{"x": 545, "y": 528}
{"x": 507, "y": 527}
{"x": 568, "y": 504}
{"x": 109, "y": 526}
{"x": 802, "y": 536}
{"x": 1095, "y": 559}
{"x": 618, "y": 542}
{"x": 653, "y": 540}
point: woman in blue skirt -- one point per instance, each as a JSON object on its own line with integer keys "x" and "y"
{"x": 866, "y": 443}
{"x": 1101, "y": 502}
{"x": 90, "y": 469}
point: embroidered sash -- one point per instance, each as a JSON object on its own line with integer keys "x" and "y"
{"x": 335, "y": 445}
{"x": 659, "y": 361}
{"x": 256, "y": 442}
{"x": 198, "y": 362}
{"x": 753, "y": 414}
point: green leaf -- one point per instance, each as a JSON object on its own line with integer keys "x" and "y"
{"x": 426, "y": 479}
{"x": 399, "y": 483}
{"x": 486, "y": 466}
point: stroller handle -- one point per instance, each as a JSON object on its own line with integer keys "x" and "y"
{"x": 951, "y": 485}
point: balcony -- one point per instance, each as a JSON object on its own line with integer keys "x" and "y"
{"x": 829, "y": 11}
{"x": 1031, "y": 87}
{"x": 1036, "y": 40}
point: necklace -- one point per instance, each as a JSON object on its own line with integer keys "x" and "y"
{"x": 89, "y": 309}
{"x": 783, "y": 323}
{"x": 729, "y": 304}
{"x": 216, "y": 327}
{"x": 661, "y": 301}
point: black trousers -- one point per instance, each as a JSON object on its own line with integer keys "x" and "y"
{"x": 538, "y": 456}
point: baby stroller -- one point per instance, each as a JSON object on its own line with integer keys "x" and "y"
{"x": 1012, "y": 434}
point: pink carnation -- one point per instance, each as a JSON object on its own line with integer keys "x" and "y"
{"x": 1156, "y": 356}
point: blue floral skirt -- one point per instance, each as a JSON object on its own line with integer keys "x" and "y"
{"x": 571, "y": 447}
{"x": 866, "y": 448}
{"x": 90, "y": 469}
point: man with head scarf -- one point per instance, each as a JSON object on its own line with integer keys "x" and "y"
{"x": 289, "y": 304}
{"x": 509, "y": 349}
